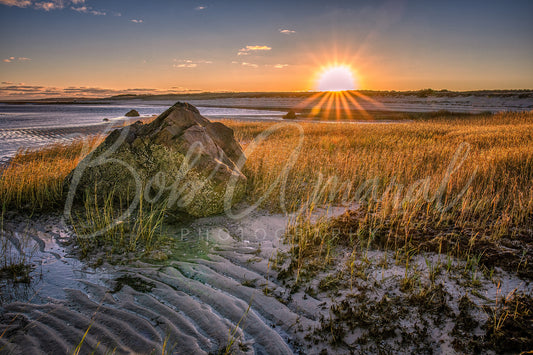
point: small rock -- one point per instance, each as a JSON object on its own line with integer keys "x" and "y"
{"x": 290, "y": 115}
{"x": 132, "y": 113}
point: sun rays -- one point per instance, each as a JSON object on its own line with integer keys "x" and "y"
{"x": 337, "y": 95}
{"x": 338, "y": 105}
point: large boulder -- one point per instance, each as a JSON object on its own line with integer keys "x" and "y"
{"x": 180, "y": 158}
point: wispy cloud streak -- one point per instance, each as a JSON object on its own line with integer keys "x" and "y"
{"x": 75, "y": 5}
{"x": 251, "y": 49}
{"x": 21, "y": 91}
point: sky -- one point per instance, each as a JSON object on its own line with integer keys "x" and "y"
{"x": 51, "y": 48}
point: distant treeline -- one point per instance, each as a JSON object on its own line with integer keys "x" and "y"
{"x": 521, "y": 94}
{"x": 525, "y": 93}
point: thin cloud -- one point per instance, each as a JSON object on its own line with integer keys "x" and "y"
{"x": 17, "y": 3}
{"x": 136, "y": 21}
{"x": 255, "y": 48}
{"x": 54, "y": 5}
{"x": 185, "y": 65}
{"x": 31, "y": 91}
{"x": 200, "y": 8}
{"x": 47, "y": 6}
{"x": 88, "y": 10}
{"x": 286, "y": 32}
{"x": 15, "y": 59}
{"x": 246, "y": 64}
{"x": 22, "y": 89}
{"x": 253, "y": 65}
{"x": 188, "y": 63}
{"x": 251, "y": 49}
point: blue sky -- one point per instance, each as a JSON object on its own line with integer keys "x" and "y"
{"x": 93, "y": 46}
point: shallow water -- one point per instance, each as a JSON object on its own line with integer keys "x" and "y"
{"x": 32, "y": 125}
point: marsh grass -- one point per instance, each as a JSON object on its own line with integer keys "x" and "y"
{"x": 445, "y": 184}
{"x": 105, "y": 226}
{"x": 397, "y": 168}
{"x": 408, "y": 195}
{"x": 15, "y": 256}
{"x": 459, "y": 188}
{"x": 33, "y": 179}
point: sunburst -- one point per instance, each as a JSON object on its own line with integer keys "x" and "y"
{"x": 336, "y": 96}
{"x": 337, "y": 82}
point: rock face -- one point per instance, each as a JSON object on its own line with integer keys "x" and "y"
{"x": 132, "y": 113}
{"x": 290, "y": 115}
{"x": 180, "y": 158}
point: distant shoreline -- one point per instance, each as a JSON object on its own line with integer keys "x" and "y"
{"x": 519, "y": 93}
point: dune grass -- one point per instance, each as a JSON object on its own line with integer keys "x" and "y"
{"x": 441, "y": 184}
{"x": 99, "y": 228}
{"x": 402, "y": 166}
{"x": 33, "y": 179}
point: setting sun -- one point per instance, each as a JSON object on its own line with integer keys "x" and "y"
{"x": 336, "y": 78}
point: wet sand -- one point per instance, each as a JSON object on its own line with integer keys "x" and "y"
{"x": 193, "y": 302}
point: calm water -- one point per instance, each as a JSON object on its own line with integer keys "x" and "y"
{"x": 58, "y": 116}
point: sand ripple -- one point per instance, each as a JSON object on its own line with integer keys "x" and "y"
{"x": 192, "y": 306}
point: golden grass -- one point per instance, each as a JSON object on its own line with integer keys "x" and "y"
{"x": 33, "y": 180}
{"x": 398, "y": 169}
{"x": 396, "y": 172}
{"x": 393, "y": 172}
{"x": 98, "y": 228}
{"x": 407, "y": 192}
